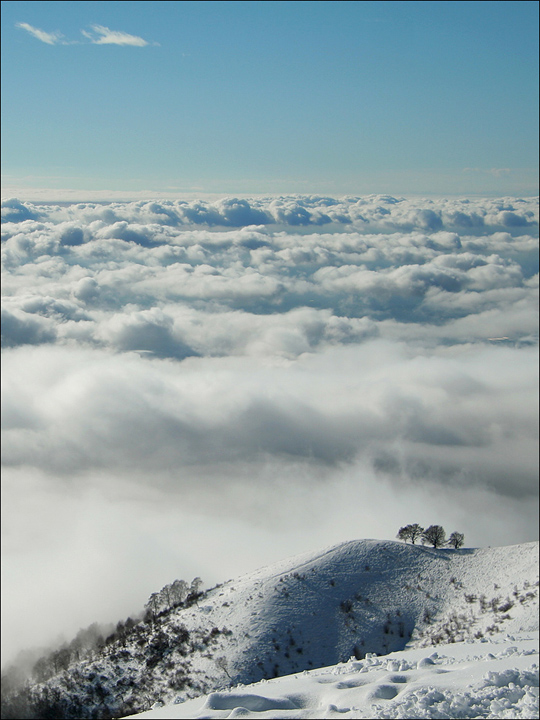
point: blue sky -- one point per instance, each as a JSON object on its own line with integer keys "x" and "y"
{"x": 271, "y": 97}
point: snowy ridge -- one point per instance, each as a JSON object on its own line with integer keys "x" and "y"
{"x": 373, "y": 596}
{"x": 355, "y": 599}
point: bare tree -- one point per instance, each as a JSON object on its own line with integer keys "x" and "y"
{"x": 410, "y": 532}
{"x": 434, "y": 535}
{"x": 456, "y": 540}
{"x": 195, "y": 585}
{"x": 153, "y": 604}
{"x": 180, "y": 590}
{"x": 166, "y": 596}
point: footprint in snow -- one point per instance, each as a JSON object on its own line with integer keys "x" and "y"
{"x": 385, "y": 691}
{"x": 348, "y": 684}
{"x": 240, "y": 701}
{"x": 397, "y": 678}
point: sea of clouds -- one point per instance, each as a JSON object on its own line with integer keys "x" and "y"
{"x": 199, "y": 387}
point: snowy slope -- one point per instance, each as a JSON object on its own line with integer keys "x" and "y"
{"x": 312, "y": 611}
{"x": 495, "y": 678}
{"x": 369, "y": 596}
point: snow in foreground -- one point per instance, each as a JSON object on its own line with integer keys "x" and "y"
{"x": 487, "y": 679}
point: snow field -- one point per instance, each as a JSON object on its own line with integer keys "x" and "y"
{"x": 487, "y": 679}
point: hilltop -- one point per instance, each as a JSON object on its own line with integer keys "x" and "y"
{"x": 315, "y": 610}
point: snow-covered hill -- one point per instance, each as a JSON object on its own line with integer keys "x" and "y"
{"x": 312, "y": 611}
{"x": 372, "y": 596}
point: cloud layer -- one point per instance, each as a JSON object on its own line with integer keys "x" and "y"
{"x": 368, "y": 214}
{"x": 270, "y": 374}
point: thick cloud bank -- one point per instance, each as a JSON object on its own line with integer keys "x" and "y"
{"x": 200, "y": 387}
{"x": 371, "y": 214}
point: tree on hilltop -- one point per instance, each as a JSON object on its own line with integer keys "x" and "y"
{"x": 410, "y": 532}
{"x": 456, "y": 540}
{"x": 434, "y": 535}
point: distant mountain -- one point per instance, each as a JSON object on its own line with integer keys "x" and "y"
{"x": 311, "y": 611}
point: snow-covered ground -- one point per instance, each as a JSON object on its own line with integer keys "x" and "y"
{"x": 496, "y": 678}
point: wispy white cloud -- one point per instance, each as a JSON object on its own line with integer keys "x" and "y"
{"x": 500, "y": 172}
{"x": 496, "y": 172}
{"x": 104, "y": 36}
{"x": 53, "y": 38}
{"x": 99, "y": 35}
